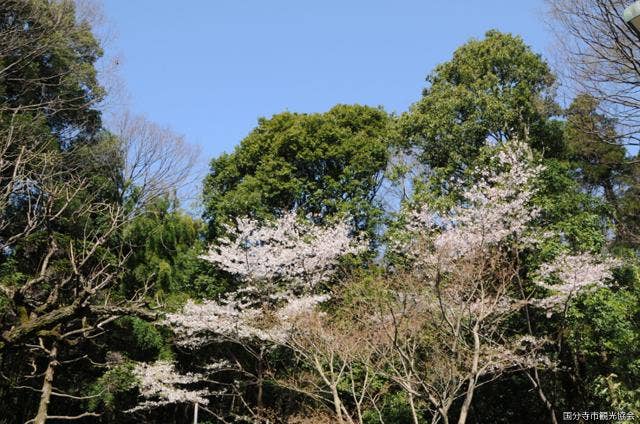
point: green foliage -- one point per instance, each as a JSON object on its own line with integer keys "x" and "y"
{"x": 604, "y": 334}
{"x": 60, "y": 68}
{"x": 495, "y": 89}
{"x": 395, "y": 410}
{"x": 591, "y": 142}
{"x": 113, "y": 388}
{"x": 140, "y": 338}
{"x": 322, "y": 164}
{"x": 166, "y": 243}
{"x": 603, "y": 166}
{"x": 614, "y": 393}
{"x": 568, "y": 211}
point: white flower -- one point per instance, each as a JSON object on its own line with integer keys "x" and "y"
{"x": 281, "y": 264}
{"x": 285, "y": 249}
{"x": 574, "y": 274}
{"x": 497, "y": 207}
{"x": 200, "y": 323}
{"x": 160, "y": 384}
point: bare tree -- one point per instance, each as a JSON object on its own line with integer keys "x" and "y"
{"x": 343, "y": 365}
{"x": 55, "y": 216}
{"x": 155, "y": 161}
{"x": 600, "y": 55}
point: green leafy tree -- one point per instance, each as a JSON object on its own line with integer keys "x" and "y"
{"x": 320, "y": 164}
{"x": 165, "y": 244}
{"x": 492, "y": 90}
{"x": 593, "y": 146}
{"x": 47, "y": 65}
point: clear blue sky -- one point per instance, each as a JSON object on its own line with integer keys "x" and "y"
{"x": 210, "y": 68}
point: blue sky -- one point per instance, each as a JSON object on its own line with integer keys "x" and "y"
{"x": 209, "y": 68}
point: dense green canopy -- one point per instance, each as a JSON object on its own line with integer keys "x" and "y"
{"x": 320, "y": 164}
{"x": 95, "y": 284}
{"x": 493, "y": 90}
{"x": 47, "y": 64}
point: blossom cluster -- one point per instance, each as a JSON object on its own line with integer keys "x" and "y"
{"x": 522, "y": 352}
{"x": 161, "y": 384}
{"x": 568, "y": 275}
{"x": 281, "y": 263}
{"x": 285, "y": 249}
{"x": 496, "y": 207}
{"x": 499, "y": 209}
{"x": 239, "y": 319}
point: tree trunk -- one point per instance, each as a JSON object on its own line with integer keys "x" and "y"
{"x": 464, "y": 411}
{"x": 47, "y": 386}
{"x": 260, "y": 384}
{"x": 414, "y": 413}
{"x": 536, "y": 383}
{"x": 337, "y": 404}
{"x": 195, "y": 413}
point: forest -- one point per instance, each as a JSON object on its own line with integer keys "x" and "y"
{"x": 473, "y": 259}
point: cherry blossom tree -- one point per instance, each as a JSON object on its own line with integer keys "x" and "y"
{"x": 281, "y": 266}
{"x": 463, "y": 286}
{"x": 436, "y": 330}
{"x": 160, "y": 384}
{"x": 288, "y": 249}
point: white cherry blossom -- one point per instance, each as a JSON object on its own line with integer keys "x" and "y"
{"x": 160, "y": 384}
{"x": 287, "y": 249}
{"x": 567, "y": 275}
{"x": 281, "y": 264}
{"x": 496, "y": 207}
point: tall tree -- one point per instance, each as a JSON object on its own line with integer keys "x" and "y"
{"x": 602, "y": 167}
{"x": 492, "y": 90}
{"x": 320, "y": 164}
{"x": 155, "y": 161}
{"x": 47, "y": 65}
{"x": 61, "y": 213}
{"x": 600, "y": 55}
{"x": 165, "y": 243}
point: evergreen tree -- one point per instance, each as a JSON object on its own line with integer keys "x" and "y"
{"x": 319, "y": 164}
